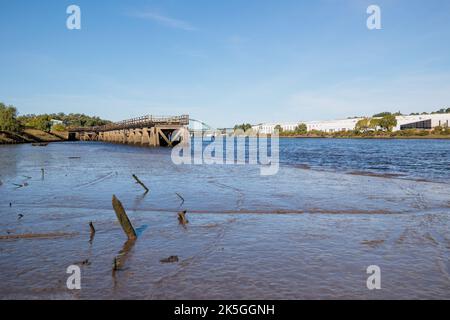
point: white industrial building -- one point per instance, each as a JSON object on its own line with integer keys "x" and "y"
{"x": 428, "y": 121}
{"x": 424, "y": 121}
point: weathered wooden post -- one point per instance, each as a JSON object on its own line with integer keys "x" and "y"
{"x": 182, "y": 218}
{"x": 123, "y": 219}
{"x": 91, "y": 226}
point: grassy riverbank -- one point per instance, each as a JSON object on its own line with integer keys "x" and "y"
{"x": 31, "y": 136}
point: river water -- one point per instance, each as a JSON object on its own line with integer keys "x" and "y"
{"x": 309, "y": 232}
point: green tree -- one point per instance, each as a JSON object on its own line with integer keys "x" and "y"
{"x": 374, "y": 124}
{"x": 301, "y": 129}
{"x": 59, "y": 127}
{"x": 388, "y": 122}
{"x": 279, "y": 128}
{"x": 8, "y": 119}
{"x": 244, "y": 127}
{"x": 363, "y": 125}
{"x": 41, "y": 122}
{"x": 381, "y": 114}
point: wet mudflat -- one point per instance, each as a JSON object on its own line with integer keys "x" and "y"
{"x": 303, "y": 233}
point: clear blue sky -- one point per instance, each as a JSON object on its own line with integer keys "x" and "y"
{"x": 225, "y": 61}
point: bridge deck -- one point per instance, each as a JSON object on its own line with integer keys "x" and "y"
{"x": 137, "y": 123}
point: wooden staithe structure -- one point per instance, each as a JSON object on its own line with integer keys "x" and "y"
{"x": 152, "y": 131}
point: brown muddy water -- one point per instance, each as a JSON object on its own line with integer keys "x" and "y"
{"x": 300, "y": 234}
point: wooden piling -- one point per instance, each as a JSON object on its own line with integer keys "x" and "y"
{"x": 91, "y": 226}
{"x": 182, "y": 218}
{"x": 123, "y": 219}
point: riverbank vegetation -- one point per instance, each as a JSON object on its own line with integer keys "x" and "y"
{"x": 60, "y": 121}
{"x": 8, "y": 119}
{"x": 436, "y": 133}
{"x": 380, "y": 125}
{"x": 42, "y": 127}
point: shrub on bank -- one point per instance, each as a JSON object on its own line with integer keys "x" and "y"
{"x": 8, "y": 119}
{"x": 441, "y": 131}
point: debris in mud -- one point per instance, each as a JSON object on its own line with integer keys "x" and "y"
{"x": 141, "y": 183}
{"x": 372, "y": 243}
{"x": 182, "y": 218}
{"x": 41, "y": 144}
{"x": 38, "y": 236}
{"x": 27, "y": 177}
{"x": 84, "y": 263}
{"x": 19, "y": 216}
{"x": 20, "y": 185}
{"x": 171, "y": 259}
{"x": 74, "y": 157}
{"x": 182, "y": 199}
{"x": 91, "y": 226}
{"x": 123, "y": 219}
{"x": 211, "y": 225}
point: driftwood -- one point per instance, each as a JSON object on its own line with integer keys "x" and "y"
{"x": 84, "y": 263}
{"x": 171, "y": 259}
{"x": 141, "y": 183}
{"x": 123, "y": 219}
{"x": 182, "y": 199}
{"x": 25, "y": 184}
{"x": 37, "y": 236}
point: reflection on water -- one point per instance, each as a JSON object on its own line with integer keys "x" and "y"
{"x": 299, "y": 234}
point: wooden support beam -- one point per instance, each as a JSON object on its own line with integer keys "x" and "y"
{"x": 169, "y": 143}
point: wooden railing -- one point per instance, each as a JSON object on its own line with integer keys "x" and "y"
{"x": 136, "y": 123}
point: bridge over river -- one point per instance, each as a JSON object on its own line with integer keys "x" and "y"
{"x": 152, "y": 131}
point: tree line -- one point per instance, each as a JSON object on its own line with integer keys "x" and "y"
{"x": 12, "y": 122}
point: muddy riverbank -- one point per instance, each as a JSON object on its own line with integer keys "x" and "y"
{"x": 31, "y": 136}
{"x": 306, "y": 232}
